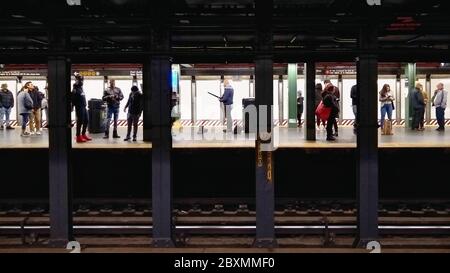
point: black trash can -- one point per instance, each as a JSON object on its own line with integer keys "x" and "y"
{"x": 97, "y": 116}
{"x": 245, "y": 116}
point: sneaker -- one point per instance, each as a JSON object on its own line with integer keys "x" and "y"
{"x": 134, "y": 139}
{"x": 38, "y": 133}
{"x": 32, "y": 133}
{"x": 86, "y": 137}
{"x": 80, "y": 139}
{"x": 10, "y": 128}
{"x": 331, "y": 138}
{"x": 127, "y": 139}
{"x": 25, "y": 134}
{"x": 105, "y": 136}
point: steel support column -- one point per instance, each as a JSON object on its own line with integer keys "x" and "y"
{"x": 251, "y": 87}
{"x": 292, "y": 95}
{"x": 341, "y": 100}
{"x": 193, "y": 100}
{"x": 147, "y": 92}
{"x": 280, "y": 100}
{"x": 398, "y": 99}
{"x": 60, "y": 144}
{"x": 265, "y": 190}
{"x": 161, "y": 151}
{"x": 18, "y": 88}
{"x": 428, "y": 106}
{"x": 411, "y": 77}
{"x": 367, "y": 142}
{"x": 159, "y": 81}
{"x": 310, "y": 100}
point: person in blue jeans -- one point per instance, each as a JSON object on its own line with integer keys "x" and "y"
{"x": 113, "y": 95}
{"x": 439, "y": 101}
{"x": 6, "y": 104}
{"x": 24, "y": 106}
{"x": 227, "y": 100}
{"x": 387, "y": 101}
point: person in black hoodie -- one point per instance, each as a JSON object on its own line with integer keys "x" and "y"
{"x": 135, "y": 107}
{"x": 79, "y": 102}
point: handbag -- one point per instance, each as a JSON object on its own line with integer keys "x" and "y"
{"x": 323, "y": 112}
{"x": 393, "y": 105}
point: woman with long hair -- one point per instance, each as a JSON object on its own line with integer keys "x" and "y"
{"x": 387, "y": 101}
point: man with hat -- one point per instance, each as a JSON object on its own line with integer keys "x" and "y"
{"x": 6, "y": 104}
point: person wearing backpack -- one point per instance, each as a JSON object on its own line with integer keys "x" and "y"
{"x": 25, "y": 106}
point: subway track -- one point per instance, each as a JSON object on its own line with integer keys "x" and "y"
{"x": 227, "y": 216}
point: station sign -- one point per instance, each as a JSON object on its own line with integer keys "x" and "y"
{"x": 89, "y": 73}
{"x": 346, "y": 71}
{"x": 22, "y": 73}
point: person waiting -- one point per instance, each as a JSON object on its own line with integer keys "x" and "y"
{"x": 35, "y": 116}
{"x": 329, "y": 101}
{"x": 79, "y": 102}
{"x": 386, "y": 107}
{"x": 113, "y": 95}
{"x": 6, "y": 104}
{"x": 25, "y": 106}
{"x": 418, "y": 104}
{"x": 135, "y": 107}
{"x": 227, "y": 100}
{"x": 300, "y": 100}
{"x": 354, "y": 97}
{"x": 439, "y": 101}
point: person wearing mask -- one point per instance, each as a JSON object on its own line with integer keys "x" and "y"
{"x": 79, "y": 103}
{"x": 135, "y": 107}
{"x": 300, "y": 100}
{"x": 354, "y": 97}
{"x": 334, "y": 91}
{"x": 227, "y": 100}
{"x": 6, "y": 104}
{"x": 113, "y": 95}
{"x": 25, "y": 106}
{"x": 418, "y": 104}
{"x": 386, "y": 99}
{"x": 329, "y": 101}
{"x": 35, "y": 117}
{"x": 439, "y": 101}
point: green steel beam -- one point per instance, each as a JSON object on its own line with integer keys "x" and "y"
{"x": 411, "y": 77}
{"x": 292, "y": 95}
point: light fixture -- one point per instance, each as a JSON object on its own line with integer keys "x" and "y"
{"x": 73, "y": 2}
{"x": 17, "y": 16}
{"x": 293, "y": 39}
